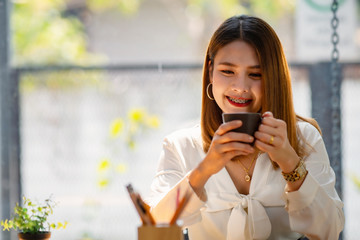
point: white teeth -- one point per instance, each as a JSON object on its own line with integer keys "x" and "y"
{"x": 238, "y": 100}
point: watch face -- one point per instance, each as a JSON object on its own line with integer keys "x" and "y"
{"x": 301, "y": 170}
{"x": 299, "y": 173}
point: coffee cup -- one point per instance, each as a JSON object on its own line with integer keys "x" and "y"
{"x": 250, "y": 121}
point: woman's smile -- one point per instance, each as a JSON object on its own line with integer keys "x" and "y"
{"x": 239, "y": 102}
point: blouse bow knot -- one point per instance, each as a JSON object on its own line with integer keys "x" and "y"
{"x": 248, "y": 218}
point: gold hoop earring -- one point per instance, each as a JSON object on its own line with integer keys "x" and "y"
{"x": 207, "y": 92}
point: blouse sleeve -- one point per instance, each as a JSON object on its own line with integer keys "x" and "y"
{"x": 316, "y": 209}
{"x": 171, "y": 182}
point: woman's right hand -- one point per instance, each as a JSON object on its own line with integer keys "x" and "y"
{"x": 224, "y": 146}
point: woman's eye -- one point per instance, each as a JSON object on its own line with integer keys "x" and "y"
{"x": 255, "y": 75}
{"x": 227, "y": 72}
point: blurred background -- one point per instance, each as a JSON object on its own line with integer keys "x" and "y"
{"x": 98, "y": 84}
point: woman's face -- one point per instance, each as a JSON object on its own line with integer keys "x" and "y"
{"x": 236, "y": 78}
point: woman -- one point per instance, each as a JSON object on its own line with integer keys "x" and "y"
{"x": 275, "y": 185}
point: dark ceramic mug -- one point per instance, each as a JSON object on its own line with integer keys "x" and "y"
{"x": 251, "y": 121}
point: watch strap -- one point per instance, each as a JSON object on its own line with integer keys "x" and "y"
{"x": 298, "y": 173}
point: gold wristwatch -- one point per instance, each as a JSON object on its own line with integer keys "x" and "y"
{"x": 298, "y": 173}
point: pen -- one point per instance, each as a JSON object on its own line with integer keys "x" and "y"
{"x": 181, "y": 207}
{"x": 141, "y": 207}
{"x": 177, "y": 196}
{"x": 146, "y": 210}
{"x": 134, "y": 199}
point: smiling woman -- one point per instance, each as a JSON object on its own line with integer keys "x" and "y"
{"x": 273, "y": 185}
{"x": 236, "y": 78}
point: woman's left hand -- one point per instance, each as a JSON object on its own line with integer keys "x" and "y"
{"x": 271, "y": 138}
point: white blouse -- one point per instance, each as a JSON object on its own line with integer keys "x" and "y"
{"x": 267, "y": 212}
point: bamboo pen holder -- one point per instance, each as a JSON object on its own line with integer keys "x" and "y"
{"x": 160, "y": 232}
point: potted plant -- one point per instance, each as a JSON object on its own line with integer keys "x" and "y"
{"x": 31, "y": 220}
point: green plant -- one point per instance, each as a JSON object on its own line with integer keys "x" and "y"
{"x": 32, "y": 217}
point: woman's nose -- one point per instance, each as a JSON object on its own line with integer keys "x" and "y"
{"x": 240, "y": 84}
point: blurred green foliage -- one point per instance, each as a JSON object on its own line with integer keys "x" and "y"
{"x": 43, "y": 36}
{"x": 124, "y": 132}
{"x": 224, "y": 8}
{"x": 227, "y": 8}
{"x": 126, "y": 7}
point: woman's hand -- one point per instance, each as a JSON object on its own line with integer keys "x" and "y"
{"x": 224, "y": 146}
{"x": 272, "y": 139}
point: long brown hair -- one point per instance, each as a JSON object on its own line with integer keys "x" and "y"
{"x": 276, "y": 81}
